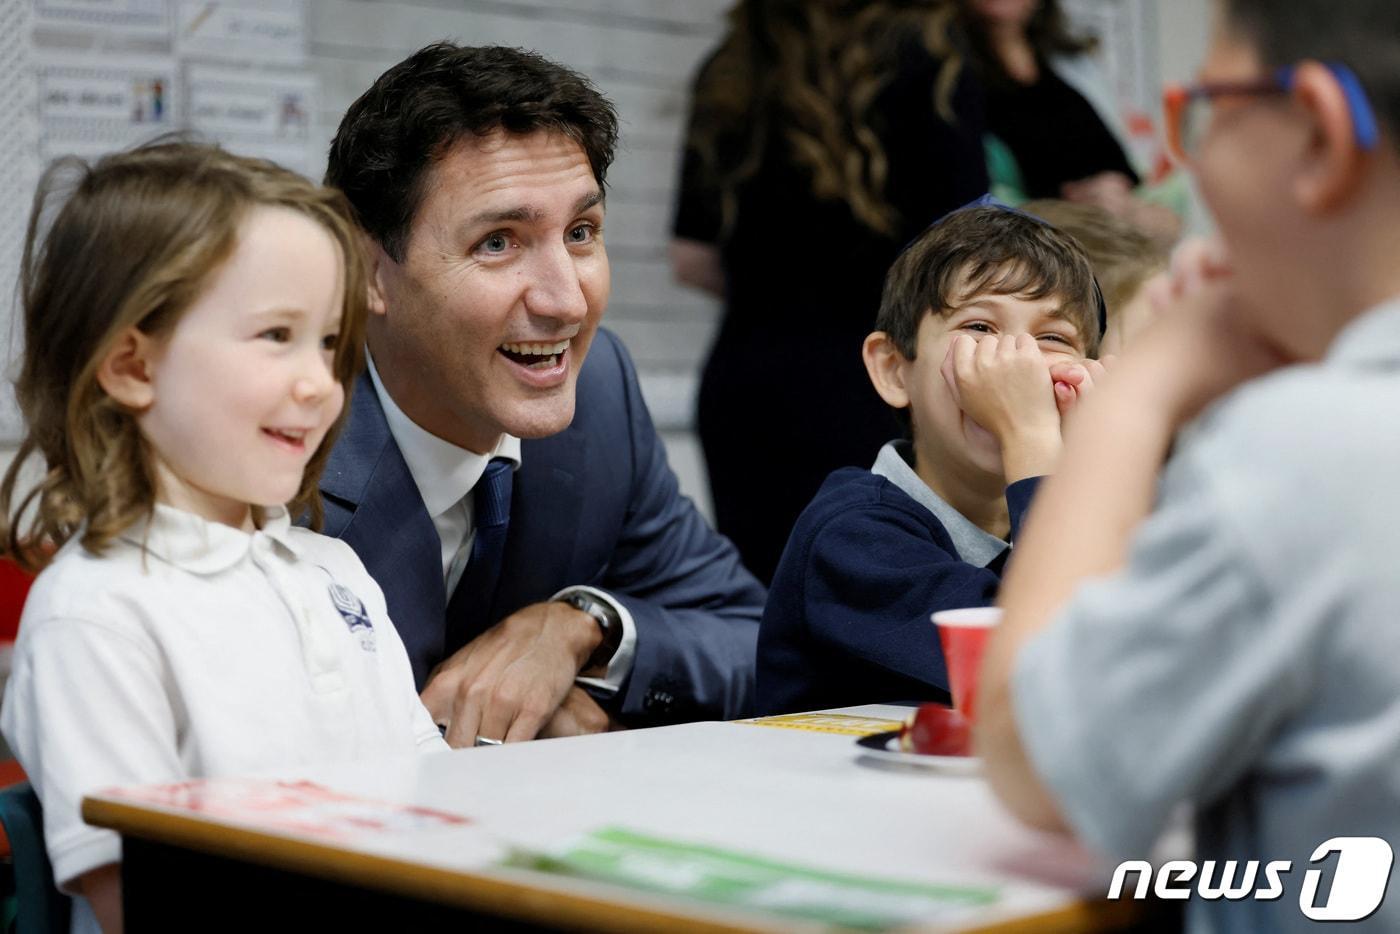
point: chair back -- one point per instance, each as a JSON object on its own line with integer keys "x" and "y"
{"x": 43, "y": 909}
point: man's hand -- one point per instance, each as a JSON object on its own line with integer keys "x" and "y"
{"x": 1112, "y": 191}
{"x": 508, "y": 682}
{"x": 579, "y": 715}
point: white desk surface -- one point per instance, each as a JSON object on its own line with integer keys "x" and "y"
{"x": 785, "y": 794}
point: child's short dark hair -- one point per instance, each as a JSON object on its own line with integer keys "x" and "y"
{"x": 980, "y": 250}
{"x": 1364, "y": 35}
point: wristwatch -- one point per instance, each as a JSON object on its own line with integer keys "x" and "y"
{"x": 608, "y": 621}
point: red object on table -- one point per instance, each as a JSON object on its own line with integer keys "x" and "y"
{"x": 963, "y": 648}
{"x": 935, "y": 730}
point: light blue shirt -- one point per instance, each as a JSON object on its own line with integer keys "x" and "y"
{"x": 1247, "y": 658}
{"x": 974, "y": 544}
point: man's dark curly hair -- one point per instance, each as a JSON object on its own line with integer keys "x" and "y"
{"x": 421, "y": 107}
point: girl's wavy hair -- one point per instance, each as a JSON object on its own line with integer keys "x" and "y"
{"x": 134, "y": 243}
{"x": 811, "y": 70}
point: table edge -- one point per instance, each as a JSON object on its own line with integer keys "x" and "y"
{"x": 490, "y": 892}
{"x": 481, "y": 890}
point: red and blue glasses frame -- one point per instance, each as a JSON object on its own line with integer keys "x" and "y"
{"x": 1177, "y": 101}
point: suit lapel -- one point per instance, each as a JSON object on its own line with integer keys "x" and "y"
{"x": 373, "y": 504}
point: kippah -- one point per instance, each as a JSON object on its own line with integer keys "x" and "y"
{"x": 990, "y": 201}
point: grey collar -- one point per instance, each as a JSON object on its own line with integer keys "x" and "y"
{"x": 974, "y": 545}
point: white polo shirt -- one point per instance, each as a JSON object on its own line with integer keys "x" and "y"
{"x": 213, "y": 652}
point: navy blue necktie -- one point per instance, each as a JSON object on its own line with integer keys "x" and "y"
{"x": 470, "y": 603}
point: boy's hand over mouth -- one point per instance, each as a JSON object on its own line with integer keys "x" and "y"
{"x": 1003, "y": 384}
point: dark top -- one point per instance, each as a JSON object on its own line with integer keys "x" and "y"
{"x": 1054, "y": 133}
{"x": 791, "y": 258}
{"x": 784, "y": 397}
{"x": 847, "y": 620}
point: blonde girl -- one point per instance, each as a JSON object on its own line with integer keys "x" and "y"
{"x": 193, "y": 323}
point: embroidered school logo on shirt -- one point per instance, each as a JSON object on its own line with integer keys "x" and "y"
{"x": 352, "y": 610}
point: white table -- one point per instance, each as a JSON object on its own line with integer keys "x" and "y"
{"x": 779, "y": 793}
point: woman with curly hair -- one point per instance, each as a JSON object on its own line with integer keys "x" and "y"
{"x": 823, "y": 136}
{"x": 1053, "y": 124}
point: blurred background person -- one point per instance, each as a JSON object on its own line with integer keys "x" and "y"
{"x": 1054, "y": 130}
{"x": 823, "y": 136}
{"x": 1130, "y": 265}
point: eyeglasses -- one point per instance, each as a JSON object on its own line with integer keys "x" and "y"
{"x": 1188, "y": 108}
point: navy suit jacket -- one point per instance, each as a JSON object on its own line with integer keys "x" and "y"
{"x": 596, "y": 504}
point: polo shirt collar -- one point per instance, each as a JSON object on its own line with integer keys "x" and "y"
{"x": 199, "y": 546}
{"x": 974, "y": 544}
{"x": 443, "y": 472}
{"x": 1372, "y": 337}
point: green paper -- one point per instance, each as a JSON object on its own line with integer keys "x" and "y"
{"x": 725, "y": 877}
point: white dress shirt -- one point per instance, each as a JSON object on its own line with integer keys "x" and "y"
{"x": 445, "y": 475}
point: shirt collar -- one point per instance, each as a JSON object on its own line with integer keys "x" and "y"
{"x": 974, "y": 544}
{"x": 443, "y": 472}
{"x": 199, "y": 546}
{"x": 1372, "y": 337}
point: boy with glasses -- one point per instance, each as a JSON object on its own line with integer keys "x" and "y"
{"x": 1225, "y": 635}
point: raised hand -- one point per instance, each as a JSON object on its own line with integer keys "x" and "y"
{"x": 1200, "y": 344}
{"x": 1003, "y": 384}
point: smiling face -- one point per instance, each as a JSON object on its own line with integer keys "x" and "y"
{"x": 946, "y": 441}
{"x": 242, "y": 390}
{"x": 484, "y": 325}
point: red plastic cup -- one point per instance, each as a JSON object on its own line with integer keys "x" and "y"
{"x": 963, "y": 635}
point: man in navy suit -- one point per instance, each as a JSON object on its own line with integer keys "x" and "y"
{"x": 513, "y": 500}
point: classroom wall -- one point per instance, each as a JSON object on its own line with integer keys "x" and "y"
{"x": 1183, "y": 28}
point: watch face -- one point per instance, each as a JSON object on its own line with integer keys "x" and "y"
{"x": 581, "y": 601}
{"x": 605, "y": 615}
